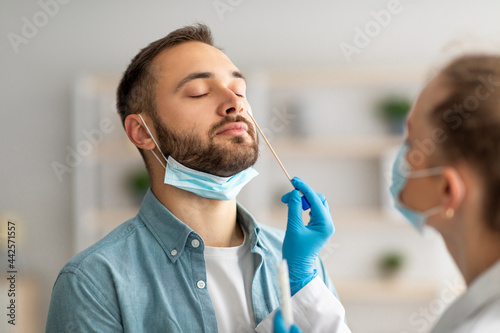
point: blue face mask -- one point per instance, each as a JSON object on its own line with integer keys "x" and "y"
{"x": 400, "y": 174}
{"x": 200, "y": 183}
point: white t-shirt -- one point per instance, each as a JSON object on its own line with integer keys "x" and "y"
{"x": 230, "y": 271}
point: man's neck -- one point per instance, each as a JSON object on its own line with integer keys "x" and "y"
{"x": 214, "y": 220}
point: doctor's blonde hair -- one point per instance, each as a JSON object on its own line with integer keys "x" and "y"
{"x": 470, "y": 119}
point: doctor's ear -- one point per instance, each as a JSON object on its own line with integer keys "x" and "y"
{"x": 137, "y": 132}
{"x": 454, "y": 188}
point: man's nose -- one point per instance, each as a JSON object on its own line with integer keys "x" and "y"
{"x": 236, "y": 109}
{"x": 232, "y": 104}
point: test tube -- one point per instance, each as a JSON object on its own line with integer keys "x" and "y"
{"x": 286, "y": 301}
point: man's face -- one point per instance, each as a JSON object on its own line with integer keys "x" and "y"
{"x": 202, "y": 113}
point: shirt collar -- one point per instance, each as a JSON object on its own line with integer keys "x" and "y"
{"x": 172, "y": 234}
{"x": 251, "y": 227}
{"x": 483, "y": 290}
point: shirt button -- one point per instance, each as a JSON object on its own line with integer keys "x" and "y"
{"x": 173, "y": 252}
{"x": 195, "y": 243}
{"x": 200, "y": 284}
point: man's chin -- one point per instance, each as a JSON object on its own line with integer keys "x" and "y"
{"x": 237, "y": 163}
{"x": 224, "y": 158}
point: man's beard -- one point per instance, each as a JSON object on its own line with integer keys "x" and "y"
{"x": 189, "y": 150}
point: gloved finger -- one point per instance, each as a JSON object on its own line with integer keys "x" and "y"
{"x": 295, "y": 211}
{"x": 295, "y": 329}
{"x": 279, "y": 323}
{"x": 305, "y": 203}
{"x": 311, "y": 196}
{"x": 286, "y": 197}
{"x": 321, "y": 197}
{"x": 322, "y": 219}
{"x": 325, "y": 204}
{"x": 323, "y": 200}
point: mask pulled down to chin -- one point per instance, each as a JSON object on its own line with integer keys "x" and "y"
{"x": 201, "y": 183}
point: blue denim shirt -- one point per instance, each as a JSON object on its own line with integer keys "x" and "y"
{"x": 148, "y": 275}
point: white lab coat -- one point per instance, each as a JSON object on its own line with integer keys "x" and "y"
{"x": 316, "y": 309}
{"x": 477, "y": 310}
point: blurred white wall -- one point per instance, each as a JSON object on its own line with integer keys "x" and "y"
{"x": 36, "y": 82}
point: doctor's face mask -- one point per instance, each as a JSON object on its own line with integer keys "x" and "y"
{"x": 400, "y": 174}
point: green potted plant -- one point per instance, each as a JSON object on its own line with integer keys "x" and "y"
{"x": 138, "y": 184}
{"x": 390, "y": 264}
{"x": 394, "y": 110}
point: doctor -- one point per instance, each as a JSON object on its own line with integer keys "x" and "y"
{"x": 447, "y": 176}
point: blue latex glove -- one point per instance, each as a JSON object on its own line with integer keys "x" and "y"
{"x": 279, "y": 325}
{"x": 303, "y": 243}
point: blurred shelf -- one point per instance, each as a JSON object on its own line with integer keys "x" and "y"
{"x": 385, "y": 291}
{"x": 97, "y": 83}
{"x": 295, "y": 77}
{"x": 335, "y": 147}
{"x": 347, "y": 76}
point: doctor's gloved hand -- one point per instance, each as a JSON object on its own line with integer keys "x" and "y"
{"x": 279, "y": 325}
{"x": 303, "y": 243}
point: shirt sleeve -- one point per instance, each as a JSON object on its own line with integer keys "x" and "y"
{"x": 77, "y": 306}
{"x": 315, "y": 309}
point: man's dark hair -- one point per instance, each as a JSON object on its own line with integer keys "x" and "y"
{"x": 135, "y": 92}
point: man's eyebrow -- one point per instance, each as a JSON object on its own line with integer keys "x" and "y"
{"x": 239, "y": 75}
{"x": 205, "y": 75}
{"x": 193, "y": 76}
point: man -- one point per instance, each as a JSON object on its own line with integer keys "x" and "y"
{"x": 192, "y": 260}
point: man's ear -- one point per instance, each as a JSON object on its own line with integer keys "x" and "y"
{"x": 137, "y": 132}
{"x": 454, "y": 191}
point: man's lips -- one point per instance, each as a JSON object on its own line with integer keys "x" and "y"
{"x": 237, "y": 128}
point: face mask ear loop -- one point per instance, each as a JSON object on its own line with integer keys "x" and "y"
{"x": 432, "y": 211}
{"x": 163, "y": 165}
{"x": 152, "y": 137}
{"x": 435, "y": 171}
